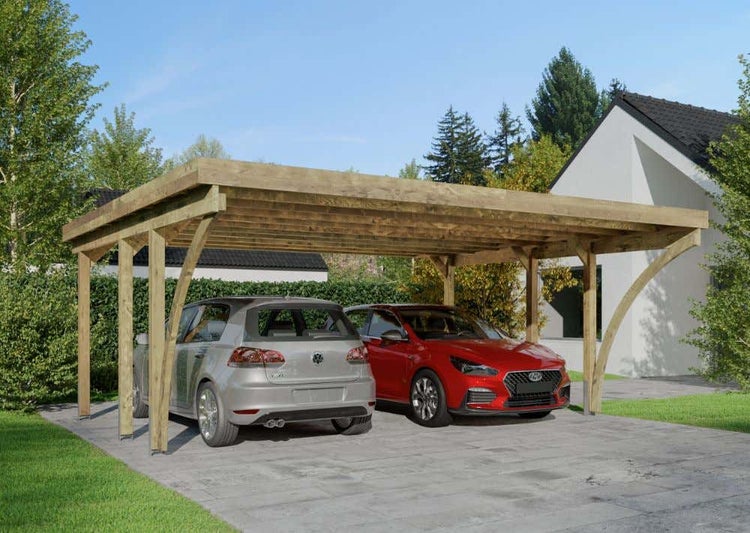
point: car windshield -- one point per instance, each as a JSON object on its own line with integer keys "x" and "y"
{"x": 430, "y": 324}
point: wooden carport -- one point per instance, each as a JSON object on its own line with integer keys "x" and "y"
{"x": 239, "y": 205}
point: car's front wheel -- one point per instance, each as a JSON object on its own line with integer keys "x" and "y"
{"x": 140, "y": 408}
{"x": 353, "y": 425}
{"x": 215, "y": 429}
{"x": 427, "y": 400}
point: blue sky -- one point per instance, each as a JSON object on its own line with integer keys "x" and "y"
{"x": 342, "y": 84}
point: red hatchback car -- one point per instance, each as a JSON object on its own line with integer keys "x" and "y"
{"x": 441, "y": 362}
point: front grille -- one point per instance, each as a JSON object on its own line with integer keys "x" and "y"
{"x": 480, "y": 396}
{"x": 527, "y": 393}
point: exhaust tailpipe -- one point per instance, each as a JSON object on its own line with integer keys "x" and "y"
{"x": 280, "y": 423}
{"x": 275, "y": 423}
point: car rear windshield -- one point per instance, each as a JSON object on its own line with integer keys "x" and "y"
{"x": 429, "y": 324}
{"x": 290, "y": 323}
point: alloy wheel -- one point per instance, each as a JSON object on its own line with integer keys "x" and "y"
{"x": 208, "y": 413}
{"x": 425, "y": 398}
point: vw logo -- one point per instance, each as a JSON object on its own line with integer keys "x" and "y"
{"x": 317, "y": 358}
{"x": 535, "y": 376}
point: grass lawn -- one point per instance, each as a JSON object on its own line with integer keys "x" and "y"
{"x": 721, "y": 410}
{"x": 578, "y": 376}
{"x": 53, "y": 481}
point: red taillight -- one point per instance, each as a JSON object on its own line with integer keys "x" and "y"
{"x": 247, "y": 412}
{"x": 357, "y": 355}
{"x": 244, "y": 356}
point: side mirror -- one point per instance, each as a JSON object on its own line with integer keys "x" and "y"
{"x": 142, "y": 339}
{"x": 393, "y": 335}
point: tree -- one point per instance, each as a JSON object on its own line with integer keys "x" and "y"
{"x": 723, "y": 338}
{"x": 507, "y": 134}
{"x": 458, "y": 154}
{"x": 567, "y": 103}
{"x": 613, "y": 90}
{"x": 202, "y": 147}
{"x": 44, "y": 109}
{"x": 533, "y": 165}
{"x": 410, "y": 171}
{"x": 122, "y": 157}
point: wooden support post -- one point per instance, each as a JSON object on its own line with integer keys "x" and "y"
{"x": 186, "y": 274}
{"x": 84, "y": 336}
{"x": 589, "y": 327}
{"x": 531, "y": 265}
{"x": 158, "y": 423}
{"x": 125, "y": 336}
{"x": 672, "y": 252}
{"x": 446, "y": 267}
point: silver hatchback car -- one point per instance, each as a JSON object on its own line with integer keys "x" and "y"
{"x": 264, "y": 360}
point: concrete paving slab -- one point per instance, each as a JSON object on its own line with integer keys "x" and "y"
{"x": 567, "y": 472}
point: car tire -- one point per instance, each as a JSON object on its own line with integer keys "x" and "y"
{"x": 354, "y": 425}
{"x": 427, "y": 402}
{"x": 535, "y": 414}
{"x": 140, "y": 408}
{"x": 214, "y": 427}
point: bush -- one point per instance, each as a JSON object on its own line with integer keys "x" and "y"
{"x": 38, "y": 338}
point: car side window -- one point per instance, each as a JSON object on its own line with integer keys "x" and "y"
{"x": 209, "y": 325}
{"x": 188, "y": 315}
{"x": 358, "y": 317}
{"x": 383, "y": 321}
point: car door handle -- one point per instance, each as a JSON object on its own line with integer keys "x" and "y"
{"x": 199, "y": 355}
{"x": 410, "y": 357}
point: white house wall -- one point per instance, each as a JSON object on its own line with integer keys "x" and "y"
{"x": 625, "y": 161}
{"x": 230, "y": 274}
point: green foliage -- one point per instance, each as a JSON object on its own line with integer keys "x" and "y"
{"x": 723, "y": 338}
{"x": 506, "y": 137}
{"x": 607, "y": 95}
{"x": 122, "y": 157}
{"x": 44, "y": 109}
{"x": 54, "y": 481}
{"x": 202, "y": 147}
{"x": 411, "y": 171}
{"x": 567, "y": 103}
{"x": 458, "y": 154}
{"x": 38, "y": 338}
{"x": 533, "y": 166}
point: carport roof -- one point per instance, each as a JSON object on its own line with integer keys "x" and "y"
{"x": 274, "y": 207}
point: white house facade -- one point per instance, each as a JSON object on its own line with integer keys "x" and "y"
{"x": 648, "y": 151}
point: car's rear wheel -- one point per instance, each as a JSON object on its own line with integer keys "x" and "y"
{"x": 140, "y": 408}
{"x": 353, "y": 425}
{"x": 428, "y": 404}
{"x": 215, "y": 429}
{"x": 535, "y": 414}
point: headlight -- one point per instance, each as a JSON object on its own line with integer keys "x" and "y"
{"x": 471, "y": 368}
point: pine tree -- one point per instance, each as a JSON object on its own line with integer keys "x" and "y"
{"x": 122, "y": 157}
{"x": 459, "y": 154}
{"x": 507, "y": 134}
{"x": 44, "y": 109}
{"x": 567, "y": 103}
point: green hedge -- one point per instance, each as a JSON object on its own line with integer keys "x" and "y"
{"x": 38, "y": 325}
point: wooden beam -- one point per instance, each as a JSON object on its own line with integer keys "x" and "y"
{"x": 589, "y": 327}
{"x": 532, "y": 300}
{"x": 125, "y": 336}
{"x": 672, "y": 252}
{"x": 175, "y": 314}
{"x": 84, "y": 336}
{"x": 158, "y": 423}
{"x": 200, "y": 203}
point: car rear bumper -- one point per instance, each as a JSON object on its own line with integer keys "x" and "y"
{"x": 257, "y": 404}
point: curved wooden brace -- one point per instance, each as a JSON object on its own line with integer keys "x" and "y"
{"x": 446, "y": 267}
{"x": 673, "y": 251}
{"x": 159, "y": 443}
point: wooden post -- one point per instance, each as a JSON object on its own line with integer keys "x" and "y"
{"x": 449, "y": 283}
{"x": 84, "y": 336}
{"x": 673, "y": 251}
{"x": 125, "y": 336}
{"x": 531, "y": 265}
{"x": 158, "y": 423}
{"x": 186, "y": 274}
{"x": 589, "y": 327}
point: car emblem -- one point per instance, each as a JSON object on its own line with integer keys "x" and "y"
{"x": 317, "y": 358}
{"x": 535, "y": 376}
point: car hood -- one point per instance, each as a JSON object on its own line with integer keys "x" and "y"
{"x": 499, "y": 353}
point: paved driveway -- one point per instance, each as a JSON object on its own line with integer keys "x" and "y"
{"x": 566, "y": 472}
